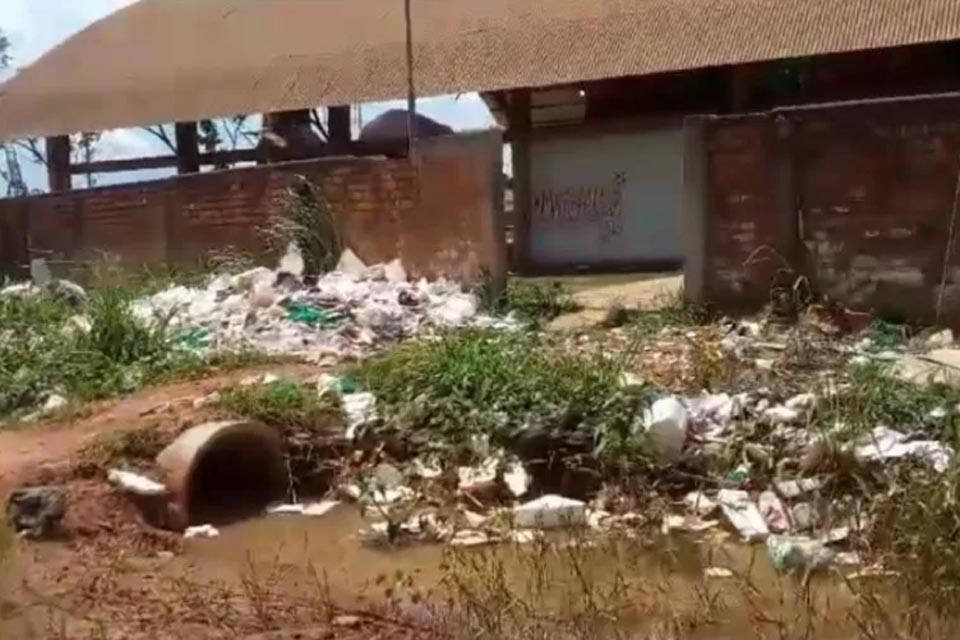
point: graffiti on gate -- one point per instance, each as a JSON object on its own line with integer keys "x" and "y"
{"x": 601, "y": 203}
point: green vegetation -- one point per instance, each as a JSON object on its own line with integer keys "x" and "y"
{"x": 530, "y": 300}
{"x": 309, "y": 222}
{"x": 286, "y": 404}
{"x": 87, "y": 352}
{"x": 490, "y": 384}
{"x": 915, "y": 530}
{"x": 870, "y": 396}
{"x": 310, "y": 424}
{"x": 672, "y": 311}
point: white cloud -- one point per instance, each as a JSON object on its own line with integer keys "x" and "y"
{"x": 35, "y": 26}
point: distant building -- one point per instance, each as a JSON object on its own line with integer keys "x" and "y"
{"x": 593, "y": 93}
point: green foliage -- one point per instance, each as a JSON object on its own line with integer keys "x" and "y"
{"x": 4, "y": 50}
{"x": 285, "y": 404}
{"x": 915, "y": 530}
{"x": 309, "y": 222}
{"x": 44, "y": 349}
{"x": 871, "y": 397}
{"x": 487, "y": 383}
{"x": 673, "y": 311}
{"x": 531, "y": 300}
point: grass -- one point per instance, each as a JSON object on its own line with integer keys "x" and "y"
{"x": 284, "y": 403}
{"x": 45, "y": 349}
{"x": 309, "y": 423}
{"x": 491, "y": 384}
{"x": 671, "y": 311}
{"x": 530, "y": 300}
{"x": 871, "y": 397}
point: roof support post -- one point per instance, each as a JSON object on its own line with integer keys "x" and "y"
{"x": 188, "y": 147}
{"x": 338, "y": 127}
{"x": 518, "y": 117}
{"x": 58, "y": 163}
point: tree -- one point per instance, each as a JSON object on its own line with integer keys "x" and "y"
{"x": 214, "y": 134}
{"x": 10, "y": 171}
{"x": 4, "y": 51}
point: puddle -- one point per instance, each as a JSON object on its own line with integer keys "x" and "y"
{"x": 652, "y": 587}
{"x": 662, "y": 582}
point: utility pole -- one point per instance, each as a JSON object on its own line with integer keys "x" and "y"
{"x": 411, "y": 93}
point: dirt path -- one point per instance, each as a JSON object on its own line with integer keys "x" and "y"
{"x": 597, "y": 294}
{"x": 26, "y": 450}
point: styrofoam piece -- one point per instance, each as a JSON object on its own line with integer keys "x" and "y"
{"x": 359, "y": 409}
{"x": 666, "y": 425}
{"x": 135, "y": 483}
{"x": 54, "y": 402}
{"x": 291, "y": 261}
{"x": 550, "y": 512}
{"x": 517, "y": 479}
{"x": 699, "y": 503}
{"x": 394, "y": 272}
{"x": 351, "y": 265}
{"x": 201, "y": 531}
{"x": 743, "y": 514}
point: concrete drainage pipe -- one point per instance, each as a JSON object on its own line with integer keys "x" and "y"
{"x": 221, "y": 472}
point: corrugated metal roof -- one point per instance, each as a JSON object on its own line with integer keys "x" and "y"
{"x": 165, "y": 60}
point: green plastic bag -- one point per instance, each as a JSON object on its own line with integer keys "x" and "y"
{"x": 310, "y": 315}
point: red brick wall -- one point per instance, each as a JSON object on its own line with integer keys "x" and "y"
{"x": 439, "y": 212}
{"x": 857, "y": 198}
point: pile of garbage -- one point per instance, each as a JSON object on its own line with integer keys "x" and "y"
{"x": 348, "y": 312}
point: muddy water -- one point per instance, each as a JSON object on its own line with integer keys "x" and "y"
{"x": 653, "y": 586}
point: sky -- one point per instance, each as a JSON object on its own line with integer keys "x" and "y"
{"x": 35, "y": 26}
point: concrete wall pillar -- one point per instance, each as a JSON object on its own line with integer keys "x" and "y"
{"x": 338, "y": 127}
{"x": 519, "y": 118}
{"x": 188, "y": 148}
{"x": 694, "y": 210}
{"x": 58, "y": 163}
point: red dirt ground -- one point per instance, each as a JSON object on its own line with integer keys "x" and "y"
{"x": 92, "y": 584}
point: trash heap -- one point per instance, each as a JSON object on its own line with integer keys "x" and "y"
{"x": 349, "y": 312}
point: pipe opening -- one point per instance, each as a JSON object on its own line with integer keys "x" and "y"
{"x": 235, "y": 477}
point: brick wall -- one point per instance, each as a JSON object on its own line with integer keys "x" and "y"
{"x": 857, "y": 198}
{"x": 439, "y": 212}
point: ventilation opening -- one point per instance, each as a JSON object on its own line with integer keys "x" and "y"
{"x": 235, "y": 478}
